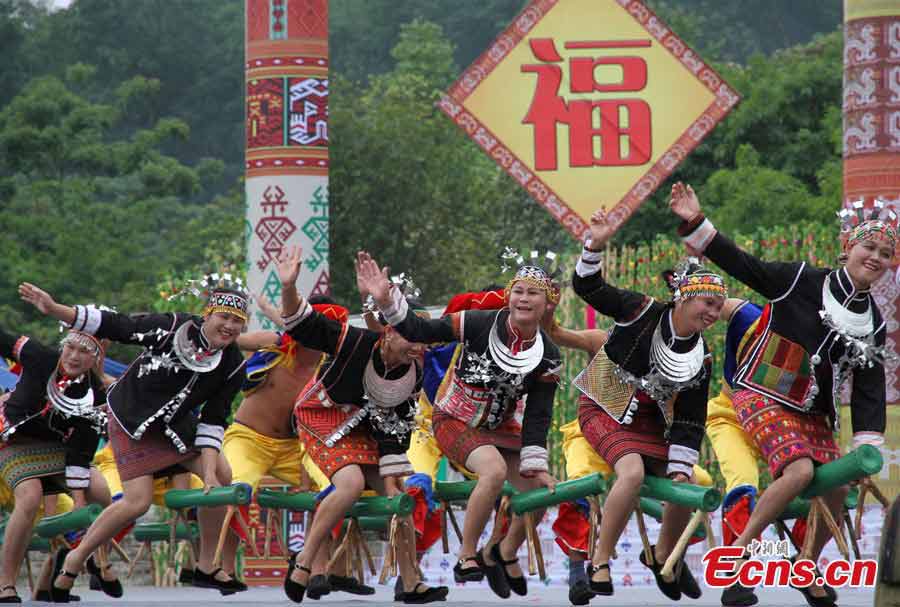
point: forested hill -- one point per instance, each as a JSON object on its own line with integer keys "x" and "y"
{"x": 121, "y": 139}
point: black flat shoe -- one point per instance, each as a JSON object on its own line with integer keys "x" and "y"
{"x": 13, "y": 598}
{"x": 817, "y": 601}
{"x": 292, "y": 589}
{"x": 580, "y": 593}
{"x": 208, "y": 580}
{"x": 738, "y": 595}
{"x": 517, "y": 584}
{"x": 349, "y": 584}
{"x": 462, "y": 575}
{"x": 429, "y": 595}
{"x": 670, "y": 589}
{"x": 186, "y": 577}
{"x": 688, "y": 584}
{"x": 111, "y": 588}
{"x": 495, "y": 574}
{"x": 44, "y": 597}
{"x": 57, "y": 594}
{"x": 604, "y": 588}
{"x": 318, "y": 587}
{"x": 831, "y": 592}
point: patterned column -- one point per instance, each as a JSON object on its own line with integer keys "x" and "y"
{"x": 287, "y": 143}
{"x": 872, "y": 163}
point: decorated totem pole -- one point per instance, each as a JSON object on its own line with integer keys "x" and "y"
{"x": 287, "y": 143}
{"x": 286, "y": 67}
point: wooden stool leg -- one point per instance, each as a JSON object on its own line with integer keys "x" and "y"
{"x": 642, "y": 530}
{"x": 390, "y": 556}
{"x": 854, "y": 544}
{"x": 267, "y": 542}
{"x": 710, "y": 536}
{"x": 134, "y": 561}
{"x": 535, "y": 542}
{"x": 453, "y": 522}
{"x": 529, "y": 542}
{"x": 860, "y": 508}
{"x": 445, "y": 541}
{"x": 279, "y": 537}
{"x": 229, "y": 513}
{"x": 812, "y": 522}
{"x": 682, "y": 543}
{"x": 117, "y": 548}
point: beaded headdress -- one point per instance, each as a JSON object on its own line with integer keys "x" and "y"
{"x": 691, "y": 279}
{"x": 223, "y": 293}
{"x": 535, "y": 271}
{"x": 859, "y": 223}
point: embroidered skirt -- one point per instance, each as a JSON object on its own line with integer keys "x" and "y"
{"x": 154, "y": 454}
{"x": 611, "y": 440}
{"x": 24, "y": 458}
{"x": 457, "y": 439}
{"x": 316, "y": 423}
{"x": 784, "y": 435}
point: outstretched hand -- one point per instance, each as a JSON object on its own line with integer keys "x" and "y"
{"x": 601, "y": 230}
{"x": 289, "y": 263}
{"x": 38, "y": 298}
{"x": 684, "y": 202}
{"x": 372, "y": 280}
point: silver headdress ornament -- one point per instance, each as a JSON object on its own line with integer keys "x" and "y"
{"x": 223, "y": 293}
{"x": 536, "y": 270}
{"x": 80, "y": 338}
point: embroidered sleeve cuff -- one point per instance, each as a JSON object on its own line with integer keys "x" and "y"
{"x": 590, "y": 261}
{"x": 295, "y": 319}
{"x": 394, "y": 465}
{"x": 868, "y": 438}
{"x": 533, "y": 459}
{"x": 699, "y": 237}
{"x": 396, "y": 312}
{"x": 209, "y": 435}
{"x": 681, "y": 459}
{"x": 87, "y": 319}
{"x": 78, "y": 477}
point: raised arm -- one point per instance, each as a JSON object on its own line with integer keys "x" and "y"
{"x": 45, "y": 304}
{"x": 308, "y": 328}
{"x": 372, "y": 279}
{"x": 620, "y": 304}
{"x": 772, "y": 280}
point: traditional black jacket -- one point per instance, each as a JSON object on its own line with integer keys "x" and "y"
{"x": 29, "y": 413}
{"x": 159, "y": 387}
{"x": 637, "y": 318}
{"x": 802, "y": 353}
{"x": 341, "y": 376}
{"x": 482, "y": 393}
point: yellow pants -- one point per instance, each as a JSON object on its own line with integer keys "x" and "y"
{"x": 581, "y": 459}
{"x": 252, "y": 456}
{"x": 106, "y": 464}
{"x": 737, "y": 453}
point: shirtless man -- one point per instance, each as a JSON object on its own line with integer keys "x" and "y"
{"x": 262, "y": 442}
